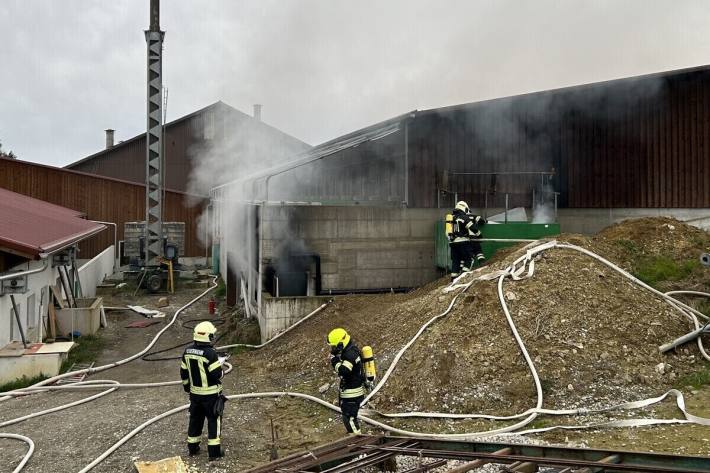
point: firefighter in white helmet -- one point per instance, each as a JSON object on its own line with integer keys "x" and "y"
{"x": 463, "y": 239}
{"x": 201, "y": 374}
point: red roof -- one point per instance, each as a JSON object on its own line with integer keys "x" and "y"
{"x": 32, "y": 226}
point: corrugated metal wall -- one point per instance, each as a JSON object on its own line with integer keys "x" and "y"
{"x": 371, "y": 172}
{"x": 630, "y": 143}
{"x": 100, "y": 199}
{"x": 638, "y": 142}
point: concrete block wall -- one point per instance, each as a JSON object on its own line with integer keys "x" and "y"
{"x": 278, "y": 314}
{"x": 360, "y": 247}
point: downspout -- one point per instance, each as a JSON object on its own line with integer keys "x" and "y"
{"x": 406, "y": 163}
{"x": 28, "y": 272}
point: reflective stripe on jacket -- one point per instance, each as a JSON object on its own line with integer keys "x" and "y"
{"x": 201, "y": 370}
{"x": 350, "y": 369}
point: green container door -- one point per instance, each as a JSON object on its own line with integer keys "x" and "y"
{"x": 514, "y": 230}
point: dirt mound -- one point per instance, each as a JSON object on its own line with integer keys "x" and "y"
{"x": 592, "y": 334}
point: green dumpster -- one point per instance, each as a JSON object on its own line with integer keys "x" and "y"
{"x": 512, "y": 230}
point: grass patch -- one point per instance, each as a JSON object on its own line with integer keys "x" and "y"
{"x": 662, "y": 268}
{"x": 704, "y": 307}
{"x": 629, "y": 246}
{"x": 547, "y": 385}
{"x": 20, "y": 383}
{"x": 540, "y": 424}
{"x": 697, "y": 379}
{"x": 87, "y": 350}
{"x": 221, "y": 290}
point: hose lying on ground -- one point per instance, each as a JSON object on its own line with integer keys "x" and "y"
{"x": 516, "y": 273}
{"x": 97, "y": 369}
{"x": 29, "y": 453}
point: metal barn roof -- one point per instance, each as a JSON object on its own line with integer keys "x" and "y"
{"x": 32, "y": 227}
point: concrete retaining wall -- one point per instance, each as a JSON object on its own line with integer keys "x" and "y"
{"x": 12, "y": 368}
{"x": 277, "y": 314}
{"x": 95, "y": 270}
{"x": 591, "y": 221}
{"x": 359, "y": 247}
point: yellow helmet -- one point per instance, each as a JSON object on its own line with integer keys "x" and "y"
{"x": 462, "y": 206}
{"x": 204, "y": 332}
{"x": 338, "y": 338}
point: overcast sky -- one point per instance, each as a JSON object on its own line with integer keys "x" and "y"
{"x": 71, "y": 68}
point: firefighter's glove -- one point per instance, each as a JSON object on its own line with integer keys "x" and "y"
{"x": 334, "y": 360}
{"x": 186, "y": 388}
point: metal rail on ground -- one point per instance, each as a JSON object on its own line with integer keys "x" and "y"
{"x": 351, "y": 454}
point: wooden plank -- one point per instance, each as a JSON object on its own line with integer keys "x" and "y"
{"x": 52, "y": 321}
{"x": 57, "y": 293}
{"x": 167, "y": 465}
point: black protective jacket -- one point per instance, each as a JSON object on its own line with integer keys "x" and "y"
{"x": 466, "y": 226}
{"x": 200, "y": 370}
{"x": 348, "y": 365}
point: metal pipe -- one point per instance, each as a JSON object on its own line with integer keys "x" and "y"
{"x": 466, "y": 467}
{"x": 17, "y": 317}
{"x": 406, "y": 163}
{"x": 28, "y": 272}
{"x": 684, "y": 339}
{"x": 154, "y": 15}
{"x": 506, "y": 208}
{"x": 510, "y": 173}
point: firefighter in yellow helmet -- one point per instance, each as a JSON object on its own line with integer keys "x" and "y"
{"x": 201, "y": 374}
{"x": 346, "y": 360}
{"x": 463, "y": 239}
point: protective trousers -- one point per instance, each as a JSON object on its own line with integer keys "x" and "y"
{"x": 461, "y": 256}
{"x": 202, "y": 407}
{"x": 350, "y": 408}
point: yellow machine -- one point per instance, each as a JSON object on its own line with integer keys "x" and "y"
{"x": 449, "y": 225}
{"x": 369, "y": 363}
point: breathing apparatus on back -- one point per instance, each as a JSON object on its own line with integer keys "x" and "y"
{"x": 338, "y": 339}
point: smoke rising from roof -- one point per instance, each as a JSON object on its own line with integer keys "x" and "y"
{"x": 321, "y": 68}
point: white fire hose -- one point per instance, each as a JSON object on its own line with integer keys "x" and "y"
{"x": 515, "y": 272}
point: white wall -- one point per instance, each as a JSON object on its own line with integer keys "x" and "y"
{"x": 95, "y": 271}
{"x": 32, "y": 305}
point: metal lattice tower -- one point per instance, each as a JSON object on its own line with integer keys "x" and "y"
{"x": 154, "y": 137}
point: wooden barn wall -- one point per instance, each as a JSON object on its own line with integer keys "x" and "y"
{"x": 371, "y": 172}
{"x": 634, "y": 143}
{"x": 210, "y": 138}
{"x": 128, "y": 161}
{"x": 101, "y": 199}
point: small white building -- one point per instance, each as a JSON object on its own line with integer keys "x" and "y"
{"x": 38, "y": 242}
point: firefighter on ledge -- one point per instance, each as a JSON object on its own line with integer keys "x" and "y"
{"x": 346, "y": 360}
{"x": 201, "y": 374}
{"x": 463, "y": 230}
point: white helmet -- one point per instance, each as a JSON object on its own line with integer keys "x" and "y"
{"x": 462, "y": 206}
{"x": 204, "y": 332}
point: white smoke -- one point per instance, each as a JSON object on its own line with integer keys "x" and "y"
{"x": 544, "y": 210}
{"x": 235, "y": 146}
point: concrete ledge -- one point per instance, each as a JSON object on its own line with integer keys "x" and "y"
{"x": 13, "y": 368}
{"x": 279, "y": 313}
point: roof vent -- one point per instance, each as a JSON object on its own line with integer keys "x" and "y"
{"x": 257, "y": 111}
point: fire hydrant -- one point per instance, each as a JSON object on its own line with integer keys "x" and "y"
{"x": 211, "y": 306}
